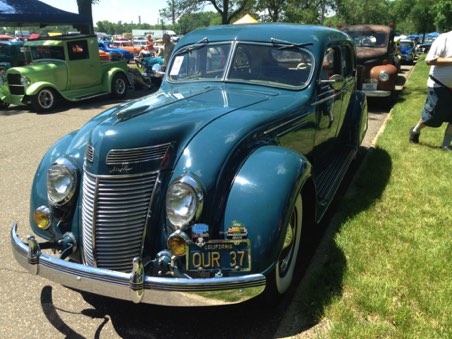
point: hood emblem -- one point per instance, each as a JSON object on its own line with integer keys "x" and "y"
{"x": 124, "y": 168}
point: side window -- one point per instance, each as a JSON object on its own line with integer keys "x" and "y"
{"x": 347, "y": 61}
{"x": 78, "y": 50}
{"x": 331, "y": 63}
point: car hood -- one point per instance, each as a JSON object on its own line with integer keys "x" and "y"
{"x": 41, "y": 66}
{"x": 166, "y": 121}
{"x": 367, "y": 53}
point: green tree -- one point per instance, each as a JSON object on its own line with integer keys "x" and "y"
{"x": 443, "y": 15}
{"x": 228, "y": 9}
{"x": 364, "y": 11}
{"x": 191, "y": 21}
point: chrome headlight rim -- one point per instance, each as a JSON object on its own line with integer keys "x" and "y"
{"x": 25, "y": 81}
{"x": 383, "y": 76}
{"x": 61, "y": 172}
{"x": 193, "y": 189}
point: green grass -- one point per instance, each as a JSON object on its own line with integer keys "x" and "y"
{"x": 388, "y": 270}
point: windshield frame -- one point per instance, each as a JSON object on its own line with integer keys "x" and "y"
{"x": 226, "y": 74}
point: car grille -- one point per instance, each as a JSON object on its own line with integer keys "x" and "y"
{"x": 121, "y": 156}
{"x": 15, "y": 85}
{"x": 115, "y": 211}
{"x": 14, "y": 79}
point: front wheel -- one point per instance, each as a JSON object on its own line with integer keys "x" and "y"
{"x": 286, "y": 269}
{"x": 119, "y": 85}
{"x": 44, "y": 101}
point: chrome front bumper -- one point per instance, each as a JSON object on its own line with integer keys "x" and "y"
{"x": 376, "y": 93}
{"x": 136, "y": 286}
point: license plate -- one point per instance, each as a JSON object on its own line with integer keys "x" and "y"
{"x": 224, "y": 255}
{"x": 370, "y": 85}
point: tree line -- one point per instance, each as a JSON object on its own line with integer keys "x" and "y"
{"x": 183, "y": 16}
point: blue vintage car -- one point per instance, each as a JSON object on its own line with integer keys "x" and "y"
{"x": 205, "y": 192}
{"x": 407, "y": 50}
{"x": 107, "y": 46}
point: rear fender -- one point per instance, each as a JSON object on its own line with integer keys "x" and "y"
{"x": 262, "y": 193}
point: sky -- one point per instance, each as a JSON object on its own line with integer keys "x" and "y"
{"x": 117, "y": 10}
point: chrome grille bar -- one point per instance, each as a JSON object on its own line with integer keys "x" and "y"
{"x": 115, "y": 211}
{"x": 121, "y": 156}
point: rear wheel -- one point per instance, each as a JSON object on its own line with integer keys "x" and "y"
{"x": 44, "y": 101}
{"x": 119, "y": 85}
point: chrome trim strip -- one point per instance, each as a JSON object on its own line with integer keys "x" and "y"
{"x": 377, "y": 94}
{"x": 156, "y": 290}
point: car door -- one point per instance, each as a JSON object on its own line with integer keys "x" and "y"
{"x": 83, "y": 68}
{"x": 328, "y": 104}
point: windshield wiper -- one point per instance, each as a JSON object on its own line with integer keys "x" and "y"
{"x": 288, "y": 44}
{"x": 193, "y": 47}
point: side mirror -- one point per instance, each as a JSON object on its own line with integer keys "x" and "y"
{"x": 336, "y": 82}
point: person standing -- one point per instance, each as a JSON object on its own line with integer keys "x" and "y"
{"x": 438, "y": 105}
{"x": 168, "y": 48}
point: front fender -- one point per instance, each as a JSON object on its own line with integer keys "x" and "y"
{"x": 39, "y": 187}
{"x": 261, "y": 198}
{"x": 34, "y": 88}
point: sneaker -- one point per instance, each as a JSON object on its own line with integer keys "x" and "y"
{"x": 446, "y": 148}
{"x": 414, "y": 137}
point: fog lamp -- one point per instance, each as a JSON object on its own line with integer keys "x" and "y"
{"x": 42, "y": 217}
{"x": 177, "y": 242}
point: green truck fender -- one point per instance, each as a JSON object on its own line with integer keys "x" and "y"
{"x": 110, "y": 74}
{"x": 261, "y": 198}
{"x": 34, "y": 88}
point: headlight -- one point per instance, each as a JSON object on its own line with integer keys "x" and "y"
{"x": 383, "y": 76}
{"x": 61, "y": 182}
{"x": 25, "y": 81}
{"x": 184, "y": 201}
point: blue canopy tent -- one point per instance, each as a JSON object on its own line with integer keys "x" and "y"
{"x": 33, "y": 12}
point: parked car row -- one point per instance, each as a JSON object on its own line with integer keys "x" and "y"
{"x": 377, "y": 57}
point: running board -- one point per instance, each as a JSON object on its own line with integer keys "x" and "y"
{"x": 330, "y": 178}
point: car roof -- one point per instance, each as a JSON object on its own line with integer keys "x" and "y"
{"x": 294, "y": 33}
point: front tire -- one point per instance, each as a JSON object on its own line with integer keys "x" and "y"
{"x": 119, "y": 86}
{"x": 286, "y": 270}
{"x": 44, "y": 101}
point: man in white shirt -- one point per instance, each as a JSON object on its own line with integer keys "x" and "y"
{"x": 438, "y": 106}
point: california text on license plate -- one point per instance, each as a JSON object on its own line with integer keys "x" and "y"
{"x": 225, "y": 255}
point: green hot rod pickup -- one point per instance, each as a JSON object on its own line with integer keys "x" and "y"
{"x": 67, "y": 67}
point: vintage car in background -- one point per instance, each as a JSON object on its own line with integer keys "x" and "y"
{"x": 407, "y": 50}
{"x": 425, "y": 45}
{"x": 64, "y": 67}
{"x": 12, "y": 54}
{"x": 206, "y": 191}
{"x": 378, "y": 60}
{"x": 107, "y": 46}
{"x": 127, "y": 45}
{"x": 104, "y": 56}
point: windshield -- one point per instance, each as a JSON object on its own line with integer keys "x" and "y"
{"x": 406, "y": 44}
{"x": 369, "y": 39}
{"x": 47, "y": 52}
{"x": 266, "y": 64}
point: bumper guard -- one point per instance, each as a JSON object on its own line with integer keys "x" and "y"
{"x": 135, "y": 286}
